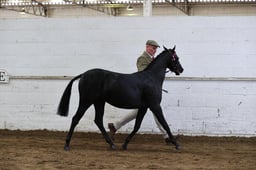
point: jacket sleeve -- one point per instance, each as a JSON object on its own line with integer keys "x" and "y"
{"x": 142, "y": 63}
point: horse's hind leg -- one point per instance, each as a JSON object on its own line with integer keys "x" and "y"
{"x": 140, "y": 115}
{"x": 75, "y": 120}
{"x": 99, "y": 113}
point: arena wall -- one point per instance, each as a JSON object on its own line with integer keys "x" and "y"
{"x": 215, "y": 96}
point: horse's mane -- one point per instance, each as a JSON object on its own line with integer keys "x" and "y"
{"x": 158, "y": 57}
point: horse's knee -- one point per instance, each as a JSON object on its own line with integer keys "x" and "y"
{"x": 98, "y": 123}
{"x": 136, "y": 129}
{"x": 75, "y": 121}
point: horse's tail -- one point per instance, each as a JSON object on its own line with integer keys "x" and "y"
{"x": 64, "y": 102}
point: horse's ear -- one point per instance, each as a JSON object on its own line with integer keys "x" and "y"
{"x": 165, "y": 48}
{"x": 174, "y": 48}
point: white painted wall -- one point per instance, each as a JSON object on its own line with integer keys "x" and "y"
{"x": 207, "y": 46}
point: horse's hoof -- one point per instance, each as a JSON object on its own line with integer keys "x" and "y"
{"x": 113, "y": 147}
{"x": 178, "y": 147}
{"x": 66, "y": 148}
{"x": 124, "y": 147}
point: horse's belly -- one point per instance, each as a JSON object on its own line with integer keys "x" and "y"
{"x": 123, "y": 94}
{"x": 126, "y": 102}
{"x": 124, "y": 105}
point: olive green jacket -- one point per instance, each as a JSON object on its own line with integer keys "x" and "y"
{"x": 143, "y": 61}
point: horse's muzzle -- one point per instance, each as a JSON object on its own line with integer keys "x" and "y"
{"x": 179, "y": 71}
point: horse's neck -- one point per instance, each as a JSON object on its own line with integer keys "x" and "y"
{"x": 158, "y": 68}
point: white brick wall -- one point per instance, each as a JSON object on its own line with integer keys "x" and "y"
{"x": 207, "y": 46}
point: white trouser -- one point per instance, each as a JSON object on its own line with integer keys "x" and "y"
{"x": 132, "y": 115}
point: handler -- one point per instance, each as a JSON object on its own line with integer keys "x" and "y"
{"x": 142, "y": 62}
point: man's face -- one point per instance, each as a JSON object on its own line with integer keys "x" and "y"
{"x": 151, "y": 50}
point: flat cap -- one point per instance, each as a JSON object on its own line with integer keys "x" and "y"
{"x": 153, "y": 43}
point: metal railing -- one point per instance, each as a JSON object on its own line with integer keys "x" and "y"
{"x": 40, "y": 7}
{"x": 113, "y": 2}
{"x": 167, "y": 78}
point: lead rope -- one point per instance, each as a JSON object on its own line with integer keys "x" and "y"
{"x": 166, "y": 91}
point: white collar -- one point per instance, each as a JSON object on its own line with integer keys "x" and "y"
{"x": 149, "y": 54}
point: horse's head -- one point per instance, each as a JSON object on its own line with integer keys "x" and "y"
{"x": 174, "y": 64}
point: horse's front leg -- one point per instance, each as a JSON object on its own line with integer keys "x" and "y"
{"x": 140, "y": 115}
{"x": 157, "y": 111}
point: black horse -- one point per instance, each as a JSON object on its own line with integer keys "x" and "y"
{"x": 140, "y": 90}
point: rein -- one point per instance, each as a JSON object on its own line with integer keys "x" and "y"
{"x": 166, "y": 91}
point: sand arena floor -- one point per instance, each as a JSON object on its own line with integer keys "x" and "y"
{"x": 44, "y": 150}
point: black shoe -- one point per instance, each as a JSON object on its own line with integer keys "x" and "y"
{"x": 112, "y": 130}
{"x": 168, "y": 141}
